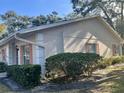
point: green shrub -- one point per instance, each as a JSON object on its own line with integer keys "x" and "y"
{"x": 104, "y": 63}
{"x": 26, "y": 75}
{"x": 3, "y": 67}
{"x": 117, "y": 60}
{"x": 74, "y": 69}
{"x": 72, "y": 64}
{"x": 110, "y": 61}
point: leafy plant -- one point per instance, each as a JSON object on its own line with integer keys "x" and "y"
{"x": 72, "y": 64}
{"x": 110, "y": 61}
{"x": 26, "y": 75}
{"x": 3, "y": 67}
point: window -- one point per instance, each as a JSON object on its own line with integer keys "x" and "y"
{"x": 26, "y": 54}
{"x": 115, "y": 50}
{"x": 91, "y": 48}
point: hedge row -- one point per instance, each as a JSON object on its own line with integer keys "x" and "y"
{"x": 3, "y": 67}
{"x": 26, "y": 75}
{"x": 72, "y": 64}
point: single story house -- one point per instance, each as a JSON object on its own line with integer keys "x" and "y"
{"x": 34, "y": 45}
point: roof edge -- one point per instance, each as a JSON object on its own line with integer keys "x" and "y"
{"x": 114, "y": 32}
{"x": 42, "y": 27}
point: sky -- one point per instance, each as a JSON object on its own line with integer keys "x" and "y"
{"x": 36, "y": 7}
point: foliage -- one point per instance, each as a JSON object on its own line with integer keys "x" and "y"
{"x": 53, "y": 17}
{"x": 72, "y": 15}
{"x": 110, "y": 61}
{"x": 50, "y": 18}
{"x": 39, "y": 20}
{"x": 120, "y": 27}
{"x": 109, "y": 9}
{"x": 3, "y": 67}
{"x": 2, "y": 28}
{"x": 26, "y": 75}
{"x": 72, "y": 64}
{"x": 16, "y": 22}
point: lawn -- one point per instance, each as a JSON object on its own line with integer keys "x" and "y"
{"x": 3, "y": 89}
{"x": 112, "y": 82}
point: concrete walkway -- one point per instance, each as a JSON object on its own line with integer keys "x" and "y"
{"x": 9, "y": 83}
{"x": 3, "y": 75}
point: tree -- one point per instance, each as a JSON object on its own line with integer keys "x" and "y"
{"x": 120, "y": 27}
{"x": 109, "y": 9}
{"x": 53, "y": 17}
{"x": 14, "y": 22}
{"x": 2, "y": 28}
{"x": 72, "y": 16}
{"x": 50, "y": 18}
{"x": 39, "y": 20}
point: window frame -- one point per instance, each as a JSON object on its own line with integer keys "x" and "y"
{"x": 24, "y": 55}
{"x": 96, "y": 48}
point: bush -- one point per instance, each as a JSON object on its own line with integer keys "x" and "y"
{"x": 26, "y": 75}
{"x": 3, "y": 67}
{"x": 72, "y": 64}
{"x": 110, "y": 61}
{"x": 117, "y": 60}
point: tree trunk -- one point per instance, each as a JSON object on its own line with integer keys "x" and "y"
{"x": 108, "y": 18}
{"x": 122, "y": 7}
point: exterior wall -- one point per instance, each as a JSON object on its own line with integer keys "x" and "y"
{"x": 73, "y": 38}
{"x": 39, "y": 53}
{"x": 12, "y": 53}
{"x": 6, "y": 54}
{"x": 53, "y": 41}
{"x": 30, "y": 37}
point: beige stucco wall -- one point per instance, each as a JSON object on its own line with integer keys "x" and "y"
{"x": 6, "y": 47}
{"x": 30, "y": 37}
{"x": 75, "y": 35}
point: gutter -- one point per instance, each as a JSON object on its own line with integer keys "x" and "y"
{"x": 27, "y": 41}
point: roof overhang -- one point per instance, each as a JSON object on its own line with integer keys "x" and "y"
{"x": 7, "y": 39}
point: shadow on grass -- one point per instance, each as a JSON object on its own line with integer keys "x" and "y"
{"x": 118, "y": 81}
{"x": 113, "y": 83}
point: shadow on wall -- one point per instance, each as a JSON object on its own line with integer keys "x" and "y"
{"x": 105, "y": 52}
{"x": 77, "y": 43}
